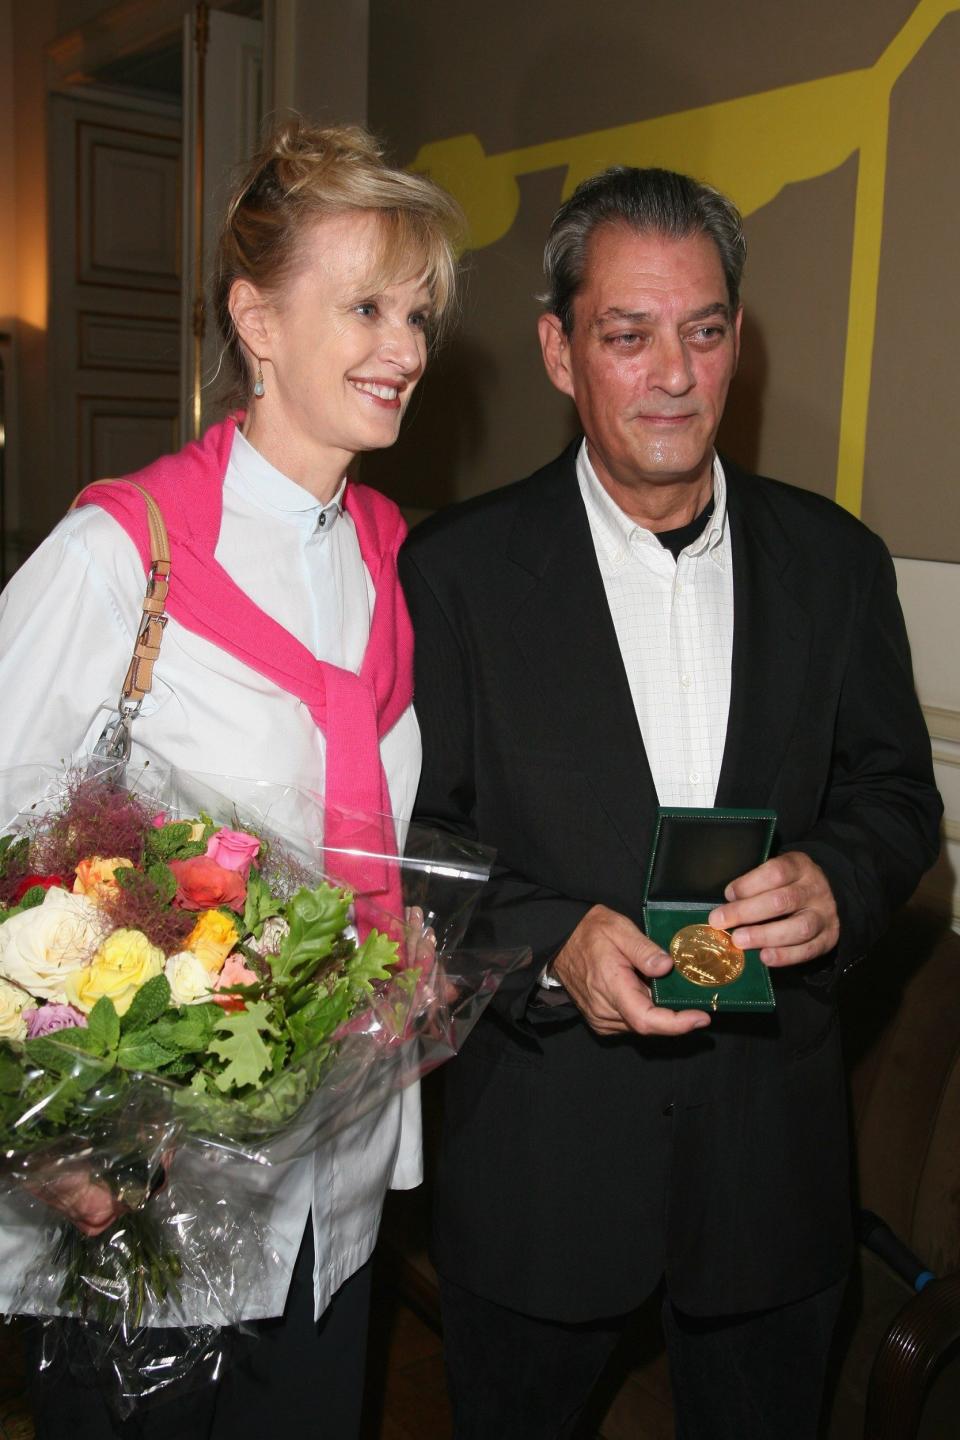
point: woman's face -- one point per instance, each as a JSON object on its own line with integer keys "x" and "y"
{"x": 340, "y": 362}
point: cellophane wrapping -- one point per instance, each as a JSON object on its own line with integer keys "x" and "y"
{"x": 108, "y": 1111}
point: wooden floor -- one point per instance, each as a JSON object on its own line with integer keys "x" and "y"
{"x": 406, "y": 1396}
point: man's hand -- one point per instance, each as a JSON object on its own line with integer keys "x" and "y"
{"x": 785, "y": 909}
{"x": 602, "y": 967}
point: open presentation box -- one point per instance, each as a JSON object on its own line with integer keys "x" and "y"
{"x": 694, "y": 856}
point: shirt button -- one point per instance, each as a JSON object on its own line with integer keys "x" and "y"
{"x": 668, "y": 1110}
{"x": 686, "y": 680}
{"x": 694, "y": 777}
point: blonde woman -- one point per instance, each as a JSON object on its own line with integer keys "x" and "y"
{"x": 287, "y": 657}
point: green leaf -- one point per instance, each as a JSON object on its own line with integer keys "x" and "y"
{"x": 103, "y": 1025}
{"x": 33, "y": 897}
{"x": 180, "y": 1068}
{"x": 164, "y": 879}
{"x": 240, "y": 1043}
{"x": 188, "y": 1029}
{"x": 260, "y": 904}
{"x": 139, "y": 1051}
{"x": 316, "y": 918}
{"x": 13, "y": 853}
{"x": 171, "y": 842}
{"x": 318, "y": 1019}
{"x": 49, "y": 1105}
{"x": 11, "y": 1072}
{"x": 59, "y": 1051}
{"x": 151, "y": 1000}
{"x": 373, "y": 961}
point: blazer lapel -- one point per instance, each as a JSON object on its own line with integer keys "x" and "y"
{"x": 771, "y": 641}
{"x": 569, "y": 646}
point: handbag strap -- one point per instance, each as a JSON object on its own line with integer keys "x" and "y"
{"x": 139, "y": 677}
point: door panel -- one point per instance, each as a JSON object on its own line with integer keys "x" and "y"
{"x": 114, "y": 286}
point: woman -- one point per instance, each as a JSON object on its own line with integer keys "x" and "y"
{"x": 332, "y": 271}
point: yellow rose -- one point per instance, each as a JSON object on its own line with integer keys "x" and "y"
{"x": 12, "y": 1002}
{"x": 95, "y": 877}
{"x": 125, "y": 961}
{"x": 212, "y": 939}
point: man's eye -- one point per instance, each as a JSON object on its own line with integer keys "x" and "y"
{"x": 624, "y": 338}
{"x": 707, "y": 334}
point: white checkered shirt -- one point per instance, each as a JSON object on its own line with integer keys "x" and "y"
{"x": 674, "y": 624}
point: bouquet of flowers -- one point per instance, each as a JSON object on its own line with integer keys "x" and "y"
{"x": 171, "y": 983}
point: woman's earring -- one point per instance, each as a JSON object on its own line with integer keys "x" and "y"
{"x": 259, "y": 389}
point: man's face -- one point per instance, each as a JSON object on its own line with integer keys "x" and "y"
{"x": 652, "y": 352}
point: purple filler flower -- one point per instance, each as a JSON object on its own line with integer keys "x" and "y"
{"x": 48, "y": 1018}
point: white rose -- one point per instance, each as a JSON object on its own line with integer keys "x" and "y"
{"x": 40, "y": 947}
{"x": 188, "y": 977}
{"x": 271, "y": 939}
{"x": 12, "y": 1001}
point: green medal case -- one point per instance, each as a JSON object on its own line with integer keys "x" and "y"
{"x": 694, "y": 856}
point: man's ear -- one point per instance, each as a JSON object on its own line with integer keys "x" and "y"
{"x": 555, "y": 345}
{"x": 250, "y": 314}
{"x": 736, "y": 338}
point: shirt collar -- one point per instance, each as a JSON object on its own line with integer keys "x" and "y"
{"x": 254, "y": 477}
{"x": 617, "y": 532}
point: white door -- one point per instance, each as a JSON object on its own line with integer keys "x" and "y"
{"x": 114, "y": 285}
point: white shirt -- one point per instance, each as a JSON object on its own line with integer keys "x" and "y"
{"x": 67, "y": 627}
{"x": 674, "y": 625}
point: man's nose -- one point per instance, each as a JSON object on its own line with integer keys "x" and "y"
{"x": 670, "y": 369}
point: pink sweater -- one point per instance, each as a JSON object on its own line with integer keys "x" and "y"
{"x": 353, "y": 711}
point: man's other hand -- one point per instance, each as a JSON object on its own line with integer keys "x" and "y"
{"x": 604, "y": 967}
{"x": 785, "y": 909}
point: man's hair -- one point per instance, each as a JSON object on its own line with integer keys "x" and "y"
{"x": 659, "y": 202}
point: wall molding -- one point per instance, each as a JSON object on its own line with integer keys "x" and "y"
{"x": 942, "y": 722}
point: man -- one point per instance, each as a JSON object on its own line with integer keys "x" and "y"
{"x": 640, "y": 624}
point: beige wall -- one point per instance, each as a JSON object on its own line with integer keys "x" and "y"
{"x": 853, "y": 259}
{"x": 852, "y": 290}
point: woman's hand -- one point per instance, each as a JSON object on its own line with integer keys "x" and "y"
{"x": 88, "y": 1204}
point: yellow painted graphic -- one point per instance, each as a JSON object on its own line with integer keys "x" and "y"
{"x": 750, "y": 148}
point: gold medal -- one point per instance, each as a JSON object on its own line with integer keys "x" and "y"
{"x": 706, "y": 956}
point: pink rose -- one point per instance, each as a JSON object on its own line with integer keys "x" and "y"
{"x": 233, "y": 850}
{"x": 47, "y": 1019}
{"x": 234, "y": 972}
{"x": 202, "y": 884}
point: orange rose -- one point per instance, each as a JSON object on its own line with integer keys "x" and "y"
{"x": 96, "y": 876}
{"x": 202, "y": 884}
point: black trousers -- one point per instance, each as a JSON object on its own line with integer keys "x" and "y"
{"x": 295, "y": 1375}
{"x": 742, "y": 1377}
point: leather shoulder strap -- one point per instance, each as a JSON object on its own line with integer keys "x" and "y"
{"x": 139, "y": 677}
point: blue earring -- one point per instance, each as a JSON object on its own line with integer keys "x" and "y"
{"x": 259, "y": 389}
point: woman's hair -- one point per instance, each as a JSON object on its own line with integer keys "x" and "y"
{"x": 304, "y": 174}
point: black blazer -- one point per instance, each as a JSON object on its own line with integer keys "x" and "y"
{"x": 575, "y": 1169}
